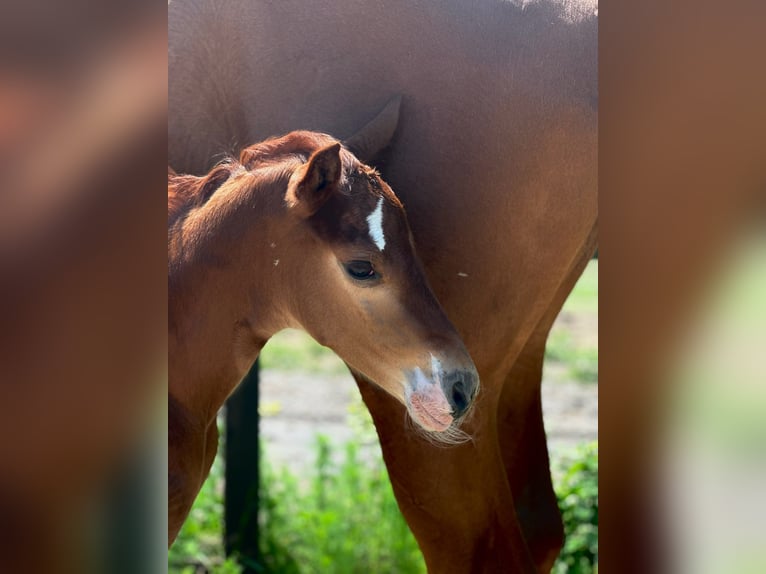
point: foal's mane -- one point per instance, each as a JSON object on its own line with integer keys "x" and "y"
{"x": 186, "y": 192}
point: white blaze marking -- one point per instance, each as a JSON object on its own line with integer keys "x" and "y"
{"x": 436, "y": 369}
{"x": 461, "y": 274}
{"x": 419, "y": 383}
{"x": 375, "y": 223}
{"x": 276, "y": 262}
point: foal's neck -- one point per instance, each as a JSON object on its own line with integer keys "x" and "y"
{"x": 221, "y": 308}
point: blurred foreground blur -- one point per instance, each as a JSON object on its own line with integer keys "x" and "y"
{"x": 713, "y": 458}
{"x": 682, "y": 176}
{"x": 83, "y": 94}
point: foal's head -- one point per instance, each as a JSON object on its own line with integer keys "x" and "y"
{"x": 338, "y": 255}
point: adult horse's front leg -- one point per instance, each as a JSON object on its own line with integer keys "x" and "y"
{"x": 456, "y": 499}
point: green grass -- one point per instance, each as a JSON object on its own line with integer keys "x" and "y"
{"x": 568, "y": 346}
{"x": 292, "y": 350}
{"x": 580, "y": 361}
{"x": 584, "y": 296}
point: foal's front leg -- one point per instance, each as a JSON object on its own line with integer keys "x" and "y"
{"x": 191, "y": 452}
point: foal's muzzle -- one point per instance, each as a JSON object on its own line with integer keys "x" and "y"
{"x": 437, "y": 401}
{"x": 460, "y": 388}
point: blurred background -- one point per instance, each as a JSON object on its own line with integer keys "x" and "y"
{"x": 326, "y": 504}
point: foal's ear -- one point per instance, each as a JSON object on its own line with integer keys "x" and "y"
{"x": 315, "y": 181}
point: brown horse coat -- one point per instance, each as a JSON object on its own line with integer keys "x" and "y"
{"x": 495, "y": 161}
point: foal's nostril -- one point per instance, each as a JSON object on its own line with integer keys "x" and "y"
{"x": 459, "y": 399}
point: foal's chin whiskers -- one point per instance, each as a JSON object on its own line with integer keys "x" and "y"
{"x": 452, "y": 436}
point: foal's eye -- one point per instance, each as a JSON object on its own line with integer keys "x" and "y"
{"x": 361, "y": 270}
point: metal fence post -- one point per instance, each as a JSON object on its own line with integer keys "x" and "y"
{"x": 242, "y": 472}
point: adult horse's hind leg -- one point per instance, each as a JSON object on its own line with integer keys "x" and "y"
{"x": 456, "y": 499}
{"x": 522, "y": 433}
{"x": 525, "y": 454}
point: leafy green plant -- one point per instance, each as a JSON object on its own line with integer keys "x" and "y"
{"x": 344, "y": 518}
{"x": 199, "y": 546}
{"x": 577, "y": 493}
{"x": 341, "y": 518}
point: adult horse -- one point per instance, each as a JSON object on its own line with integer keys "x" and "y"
{"x": 297, "y": 233}
{"x": 495, "y": 159}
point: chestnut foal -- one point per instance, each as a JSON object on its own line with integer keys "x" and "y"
{"x": 298, "y": 233}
